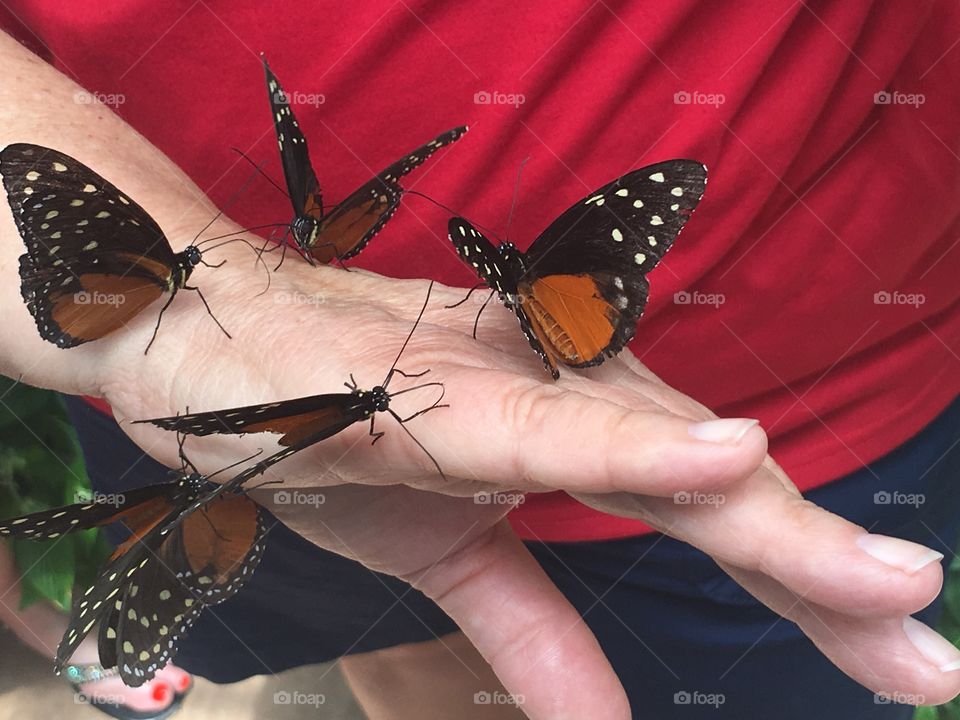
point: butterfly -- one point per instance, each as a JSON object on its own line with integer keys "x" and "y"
{"x": 95, "y": 259}
{"x": 344, "y": 231}
{"x": 302, "y": 421}
{"x": 580, "y": 288}
{"x": 192, "y": 544}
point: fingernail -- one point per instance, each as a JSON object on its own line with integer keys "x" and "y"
{"x": 722, "y": 431}
{"x": 901, "y": 554}
{"x": 932, "y": 645}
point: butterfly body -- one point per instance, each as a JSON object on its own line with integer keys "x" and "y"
{"x": 580, "y": 288}
{"x": 348, "y": 227}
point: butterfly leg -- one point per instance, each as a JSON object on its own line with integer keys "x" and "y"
{"x": 185, "y": 463}
{"x": 400, "y": 372}
{"x": 375, "y": 435}
{"x": 469, "y": 293}
{"x": 209, "y": 311}
{"x": 438, "y": 403}
{"x": 483, "y": 307}
{"x": 352, "y": 385}
{"x": 156, "y": 327}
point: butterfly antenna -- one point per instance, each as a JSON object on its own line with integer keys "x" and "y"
{"x": 232, "y": 199}
{"x": 386, "y": 380}
{"x": 400, "y": 421}
{"x": 435, "y": 202}
{"x": 233, "y": 465}
{"x": 242, "y": 154}
{"x": 257, "y": 252}
{"x": 516, "y": 196}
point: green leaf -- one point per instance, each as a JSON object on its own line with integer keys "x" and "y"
{"x": 49, "y": 568}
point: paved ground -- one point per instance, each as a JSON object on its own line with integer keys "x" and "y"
{"x": 30, "y": 691}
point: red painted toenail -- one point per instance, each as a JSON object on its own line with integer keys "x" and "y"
{"x": 184, "y": 683}
{"x": 161, "y": 693}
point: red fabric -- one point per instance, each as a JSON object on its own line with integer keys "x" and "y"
{"x": 818, "y": 197}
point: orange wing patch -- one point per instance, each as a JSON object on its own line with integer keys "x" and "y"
{"x": 140, "y": 520}
{"x": 220, "y": 535}
{"x": 296, "y": 427}
{"x": 570, "y": 317}
{"x": 342, "y": 231}
{"x": 107, "y": 303}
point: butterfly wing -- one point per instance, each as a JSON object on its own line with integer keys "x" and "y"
{"x": 50, "y": 524}
{"x": 298, "y": 172}
{"x": 293, "y": 419}
{"x": 584, "y": 284}
{"x": 94, "y": 257}
{"x": 203, "y": 560}
{"x": 100, "y": 599}
{"x": 347, "y": 229}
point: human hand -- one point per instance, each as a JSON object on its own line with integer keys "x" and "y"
{"x": 510, "y": 427}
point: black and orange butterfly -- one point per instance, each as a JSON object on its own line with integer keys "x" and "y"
{"x": 95, "y": 259}
{"x": 344, "y": 231}
{"x": 174, "y": 563}
{"x": 582, "y": 285}
{"x": 305, "y": 420}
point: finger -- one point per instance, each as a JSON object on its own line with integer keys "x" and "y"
{"x": 534, "y": 640}
{"x": 515, "y": 431}
{"x": 759, "y": 526}
{"x": 898, "y": 657}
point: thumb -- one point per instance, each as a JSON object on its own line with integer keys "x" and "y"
{"x": 536, "y": 643}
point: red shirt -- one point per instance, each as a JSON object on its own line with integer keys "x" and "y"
{"x": 829, "y": 224}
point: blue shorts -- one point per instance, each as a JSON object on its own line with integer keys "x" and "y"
{"x": 680, "y": 634}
